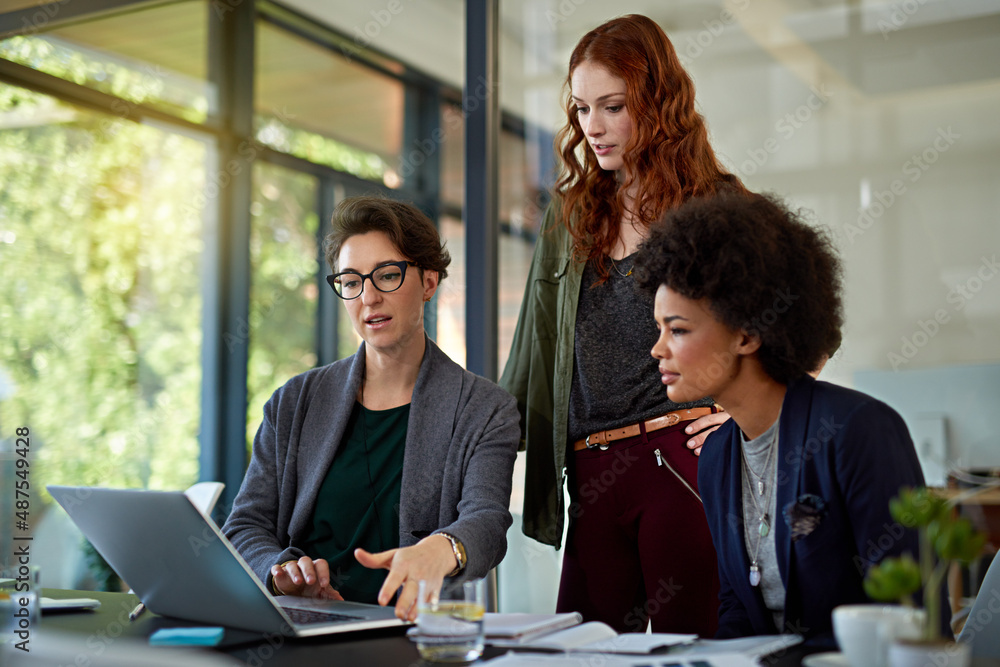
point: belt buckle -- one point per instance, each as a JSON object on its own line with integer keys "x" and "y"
{"x": 603, "y": 448}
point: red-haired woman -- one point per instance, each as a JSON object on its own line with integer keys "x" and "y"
{"x": 592, "y": 408}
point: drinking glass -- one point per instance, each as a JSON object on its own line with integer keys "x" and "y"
{"x": 450, "y": 623}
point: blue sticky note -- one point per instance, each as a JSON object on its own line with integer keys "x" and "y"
{"x": 186, "y": 637}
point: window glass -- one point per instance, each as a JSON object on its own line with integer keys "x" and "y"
{"x": 520, "y": 217}
{"x": 155, "y": 57}
{"x": 882, "y": 123}
{"x": 452, "y": 156}
{"x": 101, "y": 311}
{"x": 316, "y": 104}
{"x": 450, "y": 296}
{"x": 283, "y": 283}
{"x": 521, "y": 202}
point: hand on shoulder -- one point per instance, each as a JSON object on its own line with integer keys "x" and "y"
{"x": 702, "y": 428}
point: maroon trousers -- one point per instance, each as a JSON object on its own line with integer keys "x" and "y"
{"x": 638, "y": 546}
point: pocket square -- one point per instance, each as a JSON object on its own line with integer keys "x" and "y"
{"x": 804, "y": 515}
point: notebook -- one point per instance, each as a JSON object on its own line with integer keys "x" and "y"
{"x": 518, "y": 628}
{"x": 180, "y": 564}
{"x": 563, "y": 632}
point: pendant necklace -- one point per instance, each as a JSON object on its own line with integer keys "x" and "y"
{"x": 764, "y": 523}
{"x": 759, "y": 478}
{"x": 617, "y": 270}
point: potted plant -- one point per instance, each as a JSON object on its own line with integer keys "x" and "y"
{"x": 944, "y": 538}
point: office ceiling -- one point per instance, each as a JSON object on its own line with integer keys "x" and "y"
{"x": 875, "y": 48}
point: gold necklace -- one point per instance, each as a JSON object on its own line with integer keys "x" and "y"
{"x": 618, "y": 271}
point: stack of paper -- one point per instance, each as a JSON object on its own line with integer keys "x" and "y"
{"x": 578, "y": 642}
{"x": 581, "y": 660}
{"x": 753, "y": 647}
{"x": 550, "y": 631}
{"x": 515, "y": 629}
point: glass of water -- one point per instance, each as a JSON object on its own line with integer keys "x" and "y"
{"x": 450, "y": 623}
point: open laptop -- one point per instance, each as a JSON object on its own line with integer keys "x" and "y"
{"x": 982, "y": 625}
{"x": 180, "y": 564}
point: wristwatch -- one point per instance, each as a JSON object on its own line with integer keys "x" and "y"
{"x": 458, "y": 549}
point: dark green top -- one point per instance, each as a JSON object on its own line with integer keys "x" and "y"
{"x": 358, "y": 502}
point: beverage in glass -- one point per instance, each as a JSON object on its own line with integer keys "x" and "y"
{"x": 450, "y": 623}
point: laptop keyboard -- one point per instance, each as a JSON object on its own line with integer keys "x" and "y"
{"x": 311, "y": 616}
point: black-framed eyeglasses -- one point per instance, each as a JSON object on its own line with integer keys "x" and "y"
{"x": 386, "y": 278}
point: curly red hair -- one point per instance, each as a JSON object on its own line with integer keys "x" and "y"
{"x": 667, "y": 158}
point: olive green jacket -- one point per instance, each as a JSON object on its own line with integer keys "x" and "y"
{"x": 539, "y": 374}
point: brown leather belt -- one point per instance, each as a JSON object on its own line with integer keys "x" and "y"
{"x": 602, "y": 438}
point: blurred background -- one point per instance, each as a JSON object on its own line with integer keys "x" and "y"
{"x": 168, "y": 169}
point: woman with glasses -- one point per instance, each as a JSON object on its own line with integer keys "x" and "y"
{"x": 395, "y": 459}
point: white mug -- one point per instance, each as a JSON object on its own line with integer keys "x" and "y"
{"x": 864, "y": 631}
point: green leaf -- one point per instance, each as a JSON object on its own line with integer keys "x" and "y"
{"x": 956, "y": 539}
{"x": 893, "y": 579}
{"x": 914, "y": 508}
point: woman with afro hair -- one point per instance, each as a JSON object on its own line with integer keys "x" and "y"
{"x": 747, "y": 300}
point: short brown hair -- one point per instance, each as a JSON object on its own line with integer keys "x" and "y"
{"x": 407, "y": 227}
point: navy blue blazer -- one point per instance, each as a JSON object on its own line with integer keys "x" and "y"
{"x": 841, "y": 452}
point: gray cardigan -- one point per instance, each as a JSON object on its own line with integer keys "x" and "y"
{"x": 461, "y": 440}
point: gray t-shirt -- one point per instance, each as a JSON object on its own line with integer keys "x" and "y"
{"x": 762, "y": 456}
{"x": 615, "y": 379}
